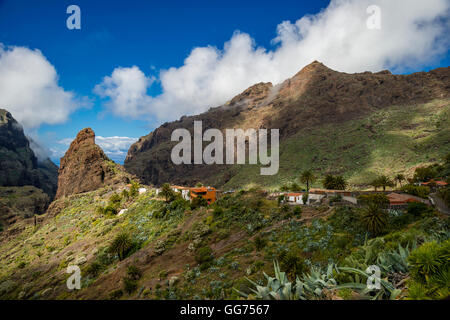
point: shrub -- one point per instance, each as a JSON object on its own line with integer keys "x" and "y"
{"x": 115, "y": 200}
{"x": 429, "y": 259}
{"x": 198, "y": 202}
{"x": 116, "y": 294}
{"x": 94, "y": 269}
{"x": 218, "y": 211}
{"x": 134, "y": 189}
{"x": 297, "y": 211}
{"x": 125, "y": 194}
{"x": 305, "y": 198}
{"x": 129, "y": 285}
{"x": 121, "y": 245}
{"x": 419, "y": 191}
{"x": 418, "y": 209}
{"x": 134, "y": 272}
{"x": 204, "y": 255}
{"x": 377, "y": 199}
{"x": 260, "y": 243}
{"x": 280, "y": 198}
{"x": 109, "y": 210}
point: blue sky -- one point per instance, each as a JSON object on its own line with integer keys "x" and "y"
{"x": 155, "y": 36}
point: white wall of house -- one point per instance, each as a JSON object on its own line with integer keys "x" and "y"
{"x": 350, "y": 199}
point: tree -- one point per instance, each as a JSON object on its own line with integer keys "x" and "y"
{"x": 328, "y": 182}
{"x": 167, "y": 192}
{"x": 384, "y": 182}
{"x": 340, "y": 183}
{"x": 424, "y": 174}
{"x": 121, "y": 245}
{"x": 376, "y": 184}
{"x": 399, "y": 178}
{"x": 307, "y": 177}
{"x": 334, "y": 182}
{"x": 374, "y": 219}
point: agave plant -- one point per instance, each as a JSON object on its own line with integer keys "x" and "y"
{"x": 311, "y": 285}
{"x": 387, "y": 290}
{"x": 396, "y": 260}
{"x": 315, "y": 282}
{"x": 278, "y": 288}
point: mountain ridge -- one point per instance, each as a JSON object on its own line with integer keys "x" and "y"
{"x": 315, "y": 96}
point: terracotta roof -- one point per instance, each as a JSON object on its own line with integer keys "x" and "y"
{"x": 293, "y": 194}
{"x": 399, "y": 198}
{"x": 439, "y": 183}
{"x": 179, "y": 187}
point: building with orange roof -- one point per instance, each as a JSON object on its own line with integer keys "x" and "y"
{"x": 207, "y": 193}
{"x": 401, "y": 199}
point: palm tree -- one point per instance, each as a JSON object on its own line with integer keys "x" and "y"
{"x": 374, "y": 219}
{"x": 385, "y": 182}
{"x": 167, "y": 192}
{"x": 340, "y": 183}
{"x": 399, "y": 178}
{"x": 376, "y": 184}
{"x": 307, "y": 177}
{"x": 328, "y": 182}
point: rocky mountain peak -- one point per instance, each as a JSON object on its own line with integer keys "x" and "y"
{"x": 19, "y": 165}
{"x": 85, "y": 167}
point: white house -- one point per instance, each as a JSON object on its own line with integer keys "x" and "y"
{"x": 183, "y": 190}
{"x": 295, "y": 198}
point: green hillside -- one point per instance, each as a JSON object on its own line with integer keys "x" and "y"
{"x": 388, "y": 141}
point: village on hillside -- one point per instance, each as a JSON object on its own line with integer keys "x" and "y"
{"x": 397, "y": 198}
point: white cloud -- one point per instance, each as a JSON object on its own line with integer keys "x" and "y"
{"x": 115, "y": 147}
{"x": 29, "y": 88}
{"x": 127, "y": 89}
{"x": 413, "y": 33}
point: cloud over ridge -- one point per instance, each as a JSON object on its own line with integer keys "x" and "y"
{"x": 29, "y": 88}
{"x": 413, "y": 33}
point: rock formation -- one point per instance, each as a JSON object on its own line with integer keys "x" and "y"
{"x": 85, "y": 167}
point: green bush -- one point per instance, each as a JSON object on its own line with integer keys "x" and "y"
{"x": 125, "y": 194}
{"x": 377, "y": 199}
{"x": 115, "y": 200}
{"x": 418, "y": 191}
{"x": 110, "y": 210}
{"x": 297, "y": 211}
{"x": 95, "y": 268}
{"x": 129, "y": 285}
{"x": 198, "y": 202}
{"x": 134, "y": 272}
{"x": 134, "y": 189}
{"x": 429, "y": 259}
{"x": 419, "y": 209}
{"x": 204, "y": 257}
{"x": 218, "y": 211}
{"x": 259, "y": 243}
{"x": 116, "y": 294}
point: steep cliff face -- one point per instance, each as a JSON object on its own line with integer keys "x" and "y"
{"x": 85, "y": 167}
{"x": 18, "y": 164}
{"x": 317, "y": 101}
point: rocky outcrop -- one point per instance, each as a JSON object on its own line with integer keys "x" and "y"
{"x": 85, "y": 167}
{"x": 18, "y": 164}
{"x": 315, "y": 96}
